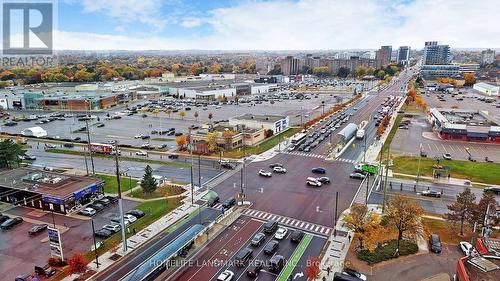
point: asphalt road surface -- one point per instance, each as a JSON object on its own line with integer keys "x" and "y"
{"x": 125, "y": 265}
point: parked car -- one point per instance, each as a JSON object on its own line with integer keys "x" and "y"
{"x": 447, "y": 156}
{"x": 296, "y": 236}
{"x": 104, "y": 233}
{"x": 493, "y": 189}
{"x": 319, "y": 170}
{"x": 113, "y": 227}
{"x": 141, "y": 153}
{"x": 265, "y": 173}
{"x": 3, "y": 218}
{"x": 358, "y": 176}
{"x": 37, "y": 229}
{"x": 97, "y": 206}
{"x": 466, "y": 248}
{"x": 343, "y": 276}
{"x": 11, "y": 223}
{"x": 226, "y": 275}
{"x": 213, "y": 200}
{"x": 258, "y": 238}
{"x": 435, "y": 243}
{"x": 254, "y": 269}
{"x": 231, "y": 201}
{"x": 281, "y": 233}
{"x": 354, "y": 273}
{"x": 46, "y": 271}
{"x": 323, "y": 179}
{"x": 431, "y": 193}
{"x": 271, "y": 247}
{"x": 130, "y": 218}
{"x": 87, "y": 212}
{"x": 136, "y": 213}
{"x": 279, "y": 170}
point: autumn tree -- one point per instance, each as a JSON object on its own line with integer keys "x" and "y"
{"x": 76, "y": 264}
{"x": 462, "y": 210}
{"x": 181, "y": 142}
{"x": 313, "y": 268}
{"x": 360, "y": 71}
{"x": 228, "y": 136}
{"x": 469, "y": 78}
{"x": 365, "y": 224}
{"x": 168, "y": 111}
{"x": 212, "y": 141}
{"x": 182, "y": 114}
{"x": 321, "y": 70}
{"x": 405, "y": 215}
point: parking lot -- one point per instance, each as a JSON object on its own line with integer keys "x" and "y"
{"x": 296, "y": 199}
{"x": 468, "y": 100}
{"x": 20, "y": 252}
{"x": 219, "y": 254}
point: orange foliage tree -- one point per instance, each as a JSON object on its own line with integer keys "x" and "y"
{"x": 76, "y": 264}
{"x": 469, "y": 78}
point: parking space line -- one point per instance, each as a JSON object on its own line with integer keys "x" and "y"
{"x": 444, "y": 148}
{"x": 451, "y": 148}
{"x": 437, "y": 148}
{"x": 429, "y": 147}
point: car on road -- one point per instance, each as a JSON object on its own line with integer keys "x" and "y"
{"x": 493, "y": 189}
{"x": 354, "y": 273}
{"x": 270, "y": 226}
{"x": 431, "y": 193}
{"x": 281, "y": 233}
{"x": 141, "y": 153}
{"x": 3, "y": 218}
{"x": 447, "y": 156}
{"x": 435, "y": 243}
{"x": 466, "y": 248}
{"x": 104, "y": 233}
{"x": 243, "y": 256}
{"x": 279, "y": 170}
{"x": 318, "y": 170}
{"x": 276, "y": 263}
{"x": 258, "y": 238}
{"x": 139, "y": 136}
{"x": 113, "y": 227}
{"x": 358, "y": 176}
{"x": 226, "y": 275}
{"x": 229, "y": 166}
{"x": 310, "y": 181}
{"x": 213, "y": 200}
{"x": 265, "y": 173}
{"x": 274, "y": 165}
{"x": 342, "y": 276}
{"x": 323, "y": 180}
{"x": 296, "y": 236}
{"x": 271, "y": 247}
{"x": 11, "y": 223}
{"x": 255, "y": 268}
{"x": 87, "y": 212}
{"x": 173, "y": 156}
{"x": 37, "y": 229}
{"x": 29, "y": 157}
{"x": 49, "y": 145}
{"x": 130, "y": 218}
{"x": 231, "y": 201}
{"x": 136, "y": 213}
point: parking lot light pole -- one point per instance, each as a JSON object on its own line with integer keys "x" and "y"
{"x": 120, "y": 201}
{"x": 88, "y": 147}
{"x": 418, "y": 168}
{"x": 95, "y": 244}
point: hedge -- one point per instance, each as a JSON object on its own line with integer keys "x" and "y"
{"x": 386, "y": 251}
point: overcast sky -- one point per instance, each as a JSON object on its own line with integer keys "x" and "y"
{"x": 274, "y": 25}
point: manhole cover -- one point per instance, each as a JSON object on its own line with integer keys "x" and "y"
{"x": 115, "y": 257}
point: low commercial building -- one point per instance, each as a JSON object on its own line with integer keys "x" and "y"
{"x": 465, "y": 125}
{"x": 45, "y": 190}
{"x": 238, "y": 136}
{"x": 87, "y": 100}
{"x": 440, "y": 70}
{"x": 276, "y": 123}
{"x": 487, "y": 89}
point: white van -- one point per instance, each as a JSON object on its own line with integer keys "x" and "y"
{"x": 313, "y": 182}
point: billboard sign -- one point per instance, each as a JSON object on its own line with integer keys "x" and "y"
{"x": 55, "y": 243}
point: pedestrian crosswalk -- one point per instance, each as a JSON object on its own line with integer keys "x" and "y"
{"x": 346, "y": 160}
{"x": 295, "y": 223}
{"x": 305, "y": 154}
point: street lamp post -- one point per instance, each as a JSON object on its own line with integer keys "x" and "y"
{"x": 418, "y": 168}
{"x": 120, "y": 202}
{"x": 95, "y": 244}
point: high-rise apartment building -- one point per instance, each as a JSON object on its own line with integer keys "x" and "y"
{"x": 487, "y": 56}
{"x": 383, "y": 56}
{"x": 291, "y": 65}
{"x": 435, "y": 54}
{"x": 403, "y": 57}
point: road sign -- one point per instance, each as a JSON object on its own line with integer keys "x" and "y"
{"x": 55, "y": 243}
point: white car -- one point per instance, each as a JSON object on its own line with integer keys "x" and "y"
{"x": 265, "y": 173}
{"x": 227, "y": 275}
{"x": 466, "y": 248}
{"x": 88, "y": 212}
{"x": 131, "y": 219}
{"x": 281, "y": 233}
{"x": 141, "y": 153}
{"x": 139, "y": 136}
{"x": 145, "y": 145}
{"x": 113, "y": 227}
{"x": 279, "y": 170}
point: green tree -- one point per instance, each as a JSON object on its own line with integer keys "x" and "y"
{"x": 321, "y": 71}
{"x": 148, "y": 182}
{"x": 479, "y": 213}
{"x": 343, "y": 72}
{"x": 463, "y": 209}
{"x": 9, "y": 153}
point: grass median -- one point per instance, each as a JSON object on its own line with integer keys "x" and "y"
{"x": 391, "y": 135}
{"x": 161, "y": 191}
{"x": 264, "y": 146}
{"x": 123, "y": 158}
{"x": 488, "y": 173}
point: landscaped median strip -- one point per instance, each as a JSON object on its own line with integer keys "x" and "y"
{"x": 123, "y": 158}
{"x": 294, "y": 259}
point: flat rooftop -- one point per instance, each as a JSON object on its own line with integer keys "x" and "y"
{"x": 259, "y": 117}
{"x": 468, "y": 117}
{"x": 44, "y": 182}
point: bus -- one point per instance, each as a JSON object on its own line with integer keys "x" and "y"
{"x": 298, "y": 139}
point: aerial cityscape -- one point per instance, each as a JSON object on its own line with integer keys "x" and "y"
{"x": 304, "y": 140}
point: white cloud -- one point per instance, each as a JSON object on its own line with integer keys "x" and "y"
{"x": 313, "y": 24}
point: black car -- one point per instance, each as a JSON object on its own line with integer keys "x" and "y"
{"x": 213, "y": 200}
{"x": 173, "y": 156}
{"x": 46, "y": 271}
{"x": 37, "y": 229}
{"x": 231, "y": 201}
{"x": 229, "y": 166}
{"x": 104, "y": 233}
{"x": 319, "y": 170}
{"x": 243, "y": 256}
{"x": 258, "y": 238}
{"x": 296, "y": 236}
{"x": 154, "y": 132}
{"x": 435, "y": 243}
{"x": 68, "y": 145}
{"x": 276, "y": 263}
{"x": 272, "y": 166}
{"x": 324, "y": 179}
{"x": 270, "y": 226}
{"x": 3, "y": 218}
{"x": 493, "y": 189}
{"x": 271, "y": 247}
{"x": 11, "y": 223}
{"x": 136, "y": 213}
{"x": 255, "y": 268}
{"x": 145, "y": 137}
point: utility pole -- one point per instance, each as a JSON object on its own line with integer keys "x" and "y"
{"x": 88, "y": 146}
{"x": 199, "y": 170}
{"x": 192, "y": 186}
{"x": 335, "y": 219}
{"x": 120, "y": 202}
{"x": 364, "y": 152}
{"x": 418, "y": 168}
{"x": 86, "y": 163}
{"x": 241, "y": 182}
{"x": 385, "y": 182}
{"x": 95, "y": 244}
{"x": 367, "y": 187}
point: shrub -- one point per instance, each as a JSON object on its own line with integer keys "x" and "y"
{"x": 56, "y": 262}
{"x": 387, "y": 250}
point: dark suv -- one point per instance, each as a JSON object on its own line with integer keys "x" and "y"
{"x": 243, "y": 256}
{"x": 271, "y": 247}
{"x": 255, "y": 268}
{"x": 231, "y": 201}
{"x": 296, "y": 236}
{"x": 270, "y": 226}
{"x": 276, "y": 263}
{"x": 435, "y": 243}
